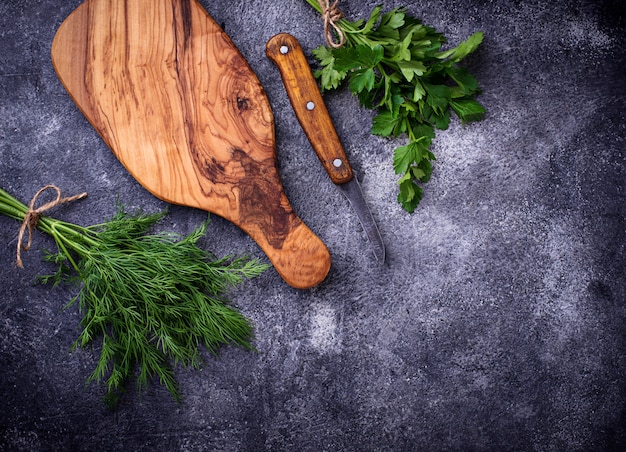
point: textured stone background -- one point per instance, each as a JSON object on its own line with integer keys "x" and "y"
{"x": 497, "y": 323}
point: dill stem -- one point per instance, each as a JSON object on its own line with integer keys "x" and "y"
{"x": 315, "y": 5}
{"x": 11, "y": 207}
{"x": 67, "y": 236}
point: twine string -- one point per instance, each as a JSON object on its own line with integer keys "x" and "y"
{"x": 331, "y": 15}
{"x": 32, "y": 217}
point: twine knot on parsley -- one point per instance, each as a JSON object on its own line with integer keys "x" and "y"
{"x": 331, "y": 15}
{"x": 31, "y": 218}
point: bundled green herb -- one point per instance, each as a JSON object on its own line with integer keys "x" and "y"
{"x": 395, "y": 65}
{"x": 148, "y": 300}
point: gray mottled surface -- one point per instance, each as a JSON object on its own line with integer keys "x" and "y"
{"x": 497, "y": 323}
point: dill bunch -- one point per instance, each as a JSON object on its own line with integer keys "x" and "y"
{"x": 148, "y": 300}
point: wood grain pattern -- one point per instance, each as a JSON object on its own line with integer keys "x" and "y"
{"x": 308, "y": 104}
{"x": 182, "y": 110}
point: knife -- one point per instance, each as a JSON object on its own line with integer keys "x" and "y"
{"x": 306, "y": 100}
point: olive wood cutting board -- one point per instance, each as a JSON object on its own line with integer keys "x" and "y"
{"x": 182, "y": 110}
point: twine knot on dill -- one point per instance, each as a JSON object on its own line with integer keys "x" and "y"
{"x": 31, "y": 218}
{"x": 331, "y": 15}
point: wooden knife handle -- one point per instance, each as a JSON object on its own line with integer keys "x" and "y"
{"x": 306, "y": 99}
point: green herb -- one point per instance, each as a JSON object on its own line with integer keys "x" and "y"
{"x": 147, "y": 300}
{"x": 395, "y": 65}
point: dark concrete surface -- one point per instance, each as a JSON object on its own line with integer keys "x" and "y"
{"x": 497, "y": 323}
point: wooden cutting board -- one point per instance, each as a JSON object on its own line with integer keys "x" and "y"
{"x": 180, "y": 107}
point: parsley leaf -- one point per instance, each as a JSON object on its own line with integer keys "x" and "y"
{"x": 468, "y": 110}
{"x": 384, "y": 123}
{"x": 462, "y": 50}
{"x": 361, "y": 56}
{"x": 330, "y": 77}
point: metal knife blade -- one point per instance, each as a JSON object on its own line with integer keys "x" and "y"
{"x": 308, "y": 104}
{"x": 352, "y": 191}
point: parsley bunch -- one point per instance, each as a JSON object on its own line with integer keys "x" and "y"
{"x": 394, "y": 64}
{"x": 148, "y": 299}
